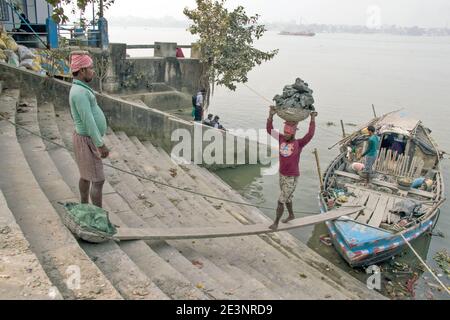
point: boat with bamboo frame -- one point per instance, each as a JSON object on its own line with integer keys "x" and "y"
{"x": 407, "y": 155}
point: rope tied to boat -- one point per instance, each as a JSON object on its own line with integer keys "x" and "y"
{"x": 425, "y": 265}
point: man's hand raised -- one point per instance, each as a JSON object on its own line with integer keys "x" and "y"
{"x": 272, "y": 112}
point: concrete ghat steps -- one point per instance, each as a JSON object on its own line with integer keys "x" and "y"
{"x": 21, "y": 274}
{"x": 209, "y": 287}
{"x": 53, "y": 244}
{"x": 163, "y": 275}
{"x": 285, "y": 242}
{"x": 125, "y": 276}
{"x": 245, "y": 245}
{"x": 272, "y": 257}
{"x": 197, "y": 212}
{"x": 177, "y": 217}
{"x": 182, "y": 219}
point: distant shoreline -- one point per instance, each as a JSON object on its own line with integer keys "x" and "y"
{"x": 429, "y": 34}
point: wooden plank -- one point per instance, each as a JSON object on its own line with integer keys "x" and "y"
{"x": 361, "y": 201}
{"x": 385, "y": 184}
{"x": 352, "y": 200}
{"x": 129, "y": 234}
{"x": 347, "y": 175}
{"x": 399, "y": 164}
{"x": 422, "y": 193}
{"x": 370, "y": 208}
{"x": 379, "y": 211}
{"x": 387, "y": 161}
{"x": 389, "y": 207}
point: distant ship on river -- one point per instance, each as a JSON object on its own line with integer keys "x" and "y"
{"x": 298, "y": 33}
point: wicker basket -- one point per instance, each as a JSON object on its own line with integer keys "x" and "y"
{"x": 86, "y": 234}
{"x": 293, "y": 114}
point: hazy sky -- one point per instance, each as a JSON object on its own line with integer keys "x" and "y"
{"x": 426, "y": 13}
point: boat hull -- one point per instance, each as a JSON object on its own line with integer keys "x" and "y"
{"x": 378, "y": 251}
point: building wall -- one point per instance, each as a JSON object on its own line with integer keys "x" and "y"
{"x": 29, "y": 9}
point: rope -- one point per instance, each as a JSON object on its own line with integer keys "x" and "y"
{"x": 154, "y": 181}
{"x": 426, "y": 265}
{"x": 331, "y": 133}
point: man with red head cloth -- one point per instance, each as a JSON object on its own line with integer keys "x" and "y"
{"x": 90, "y": 127}
{"x": 290, "y": 150}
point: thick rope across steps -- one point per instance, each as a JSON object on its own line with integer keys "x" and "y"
{"x": 157, "y": 182}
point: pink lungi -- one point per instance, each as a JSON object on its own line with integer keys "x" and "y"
{"x": 88, "y": 159}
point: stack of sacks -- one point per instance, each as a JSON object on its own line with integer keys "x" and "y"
{"x": 17, "y": 55}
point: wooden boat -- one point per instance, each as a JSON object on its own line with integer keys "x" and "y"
{"x": 407, "y": 153}
{"x": 300, "y": 33}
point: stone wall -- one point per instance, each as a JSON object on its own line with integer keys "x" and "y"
{"x": 135, "y": 120}
{"x": 132, "y": 75}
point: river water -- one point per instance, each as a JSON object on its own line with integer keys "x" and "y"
{"x": 348, "y": 74}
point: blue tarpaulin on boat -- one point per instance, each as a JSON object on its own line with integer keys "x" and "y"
{"x": 356, "y": 234}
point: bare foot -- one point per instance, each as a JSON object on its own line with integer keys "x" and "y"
{"x": 274, "y": 227}
{"x": 290, "y": 218}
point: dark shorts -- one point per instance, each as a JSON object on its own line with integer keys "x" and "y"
{"x": 198, "y": 114}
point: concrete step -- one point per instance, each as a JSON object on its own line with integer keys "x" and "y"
{"x": 283, "y": 242}
{"x": 158, "y": 218}
{"x": 163, "y": 275}
{"x": 163, "y": 166}
{"x": 290, "y": 273}
{"x": 185, "y": 264}
{"x": 286, "y": 242}
{"x": 125, "y": 276}
{"x": 53, "y": 244}
{"x": 251, "y": 289}
{"x": 21, "y": 274}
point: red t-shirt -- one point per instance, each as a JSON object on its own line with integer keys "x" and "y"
{"x": 290, "y": 150}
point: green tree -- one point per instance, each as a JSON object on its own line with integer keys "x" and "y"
{"x": 226, "y": 43}
{"x": 59, "y": 14}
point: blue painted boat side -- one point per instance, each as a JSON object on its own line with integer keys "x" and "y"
{"x": 376, "y": 251}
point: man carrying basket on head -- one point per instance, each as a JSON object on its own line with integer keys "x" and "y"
{"x": 290, "y": 150}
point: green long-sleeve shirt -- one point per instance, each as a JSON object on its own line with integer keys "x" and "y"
{"x": 372, "y": 149}
{"x": 88, "y": 118}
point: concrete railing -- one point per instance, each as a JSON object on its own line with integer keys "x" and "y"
{"x": 166, "y": 49}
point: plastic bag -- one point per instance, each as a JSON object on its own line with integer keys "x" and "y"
{"x": 91, "y": 217}
{"x": 13, "y": 59}
{"x": 2, "y": 45}
{"x": 10, "y": 44}
{"x": 358, "y": 167}
{"x": 3, "y": 56}
{"x": 25, "y": 53}
{"x": 28, "y": 63}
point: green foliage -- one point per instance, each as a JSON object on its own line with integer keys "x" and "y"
{"x": 59, "y": 15}
{"x": 226, "y": 42}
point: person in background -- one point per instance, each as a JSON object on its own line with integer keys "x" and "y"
{"x": 208, "y": 121}
{"x": 90, "y": 127}
{"x": 216, "y": 124}
{"x": 290, "y": 151}
{"x": 371, "y": 153}
{"x": 179, "y": 53}
{"x": 199, "y": 105}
